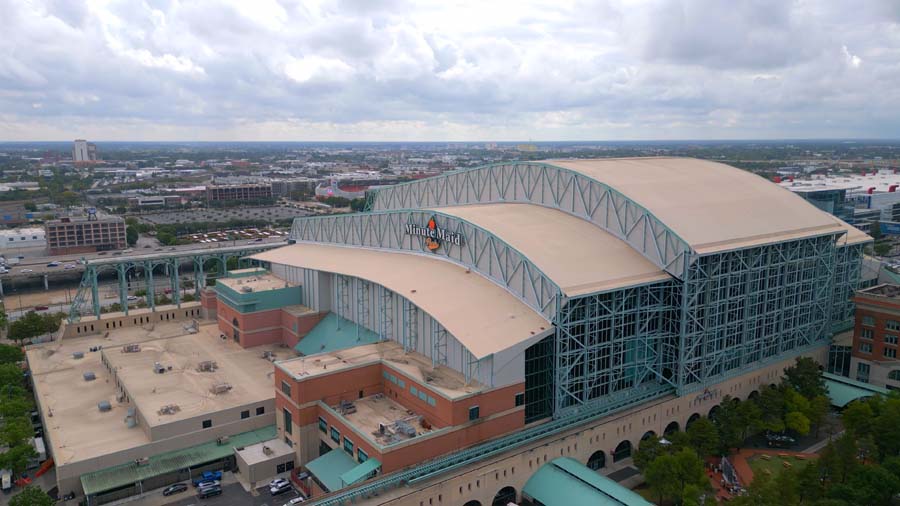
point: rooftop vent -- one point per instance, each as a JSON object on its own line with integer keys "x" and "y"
{"x": 220, "y": 388}
{"x": 246, "y": 289}
{"x": 89, "y": 376}
{"x": 207, "y": 366}
{"x": 158, "y": 368}
{"x": 131, "y": 348}
{"x": 222, "y": 440}
{"x": 104, "y": 406}
{"x": 169, "y": 409}
{"x": 78, "y": 355}
{"x": 143, "y": 461}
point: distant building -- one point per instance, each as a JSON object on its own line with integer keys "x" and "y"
{"x": 23, "y": 238}
{"x": 347, "y": 191}
{"x": 249, "y": 192}
{"x": 84, "y": 151}
{"x": 155, "y": 201}
{"x": 876, "y": 335}
{"x": 285, "y": 187}
{"x": 81, "y": 235}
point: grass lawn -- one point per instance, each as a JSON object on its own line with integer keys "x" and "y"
{"x": 775, "y": 464}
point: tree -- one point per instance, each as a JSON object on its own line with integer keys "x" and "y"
{"x": 731, "y": 423}
{"x": 806, "y": 378}
{"x": 10, "y": 354}
{"x": 30, "y": 206}
{"x": 838, "y": 459}
{"x": 704, "y": 437}
{"x": 818, "y": 410}
{"x": 16, "y": 431}
{"x": 131, "y": 236}
{"x": 857, "y": 418}
{"x": 10, "y": 374}
{"x": 31, "y": 495}
{"x": 797, "y": 422}
{"x": 648, "y": 450}
{"x": 882, "y": 248}
{"x": 662, "y": 478}
{"x": 16, "y": 458}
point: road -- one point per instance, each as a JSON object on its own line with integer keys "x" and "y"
{"x": 234, "y": 495}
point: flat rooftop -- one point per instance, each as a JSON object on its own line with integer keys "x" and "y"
{"x": 370, "y": 412}
{"x": 254, "y": 454}
{"x": 78, "y": 431}
{"x": 441, "y": 379}
{"x": 885, "y": 290}
{"x": 255, "y": 282}
{"x": 245, "y": 371}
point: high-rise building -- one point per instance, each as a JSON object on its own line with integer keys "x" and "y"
{"x": 84, "y": 151}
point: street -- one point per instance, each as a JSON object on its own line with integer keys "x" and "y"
{"x": 234, "y": 495}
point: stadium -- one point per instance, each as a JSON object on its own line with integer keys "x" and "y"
{"x": 479, "y": 322}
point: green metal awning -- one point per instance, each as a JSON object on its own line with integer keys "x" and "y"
{"x": 565, "y": 482}
{"x": 334, "y": 333}
{"x": 843, "y": 391}
{"x": 329, "y": 468}
{"x": 360, "y": 472}
{"x": 127, "y": 474}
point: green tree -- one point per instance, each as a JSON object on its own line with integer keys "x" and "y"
{"x": 16, "y": 458}
{"x": 873, "y": 485}
{"x": 131, "y": 236}
{"x": 662, "y": 478}
{"x": 731, "y": 423}
{"x": 31, "y": 495}
{"x": 648, "y": 450}
{"x": 881, "y": 248}
{"x": 704, "y": 437}
{"x": 30, "y": 206}
{"x": 16, "y": 431}
{"x": 857, "y": 418}
{"x": 10, "y": 354}
{"x": 806, "y": 378}
{"x": 10, "y": 374}
{"x": 797, "y": 422}
{"x": 838, "y": 459}
{"x": 818, "y": 411}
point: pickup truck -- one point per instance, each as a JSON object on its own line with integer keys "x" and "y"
{"x": 207, "y": 476}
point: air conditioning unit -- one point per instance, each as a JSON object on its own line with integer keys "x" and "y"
{"x": 143, "y": 461}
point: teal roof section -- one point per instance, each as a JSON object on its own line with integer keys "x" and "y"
{"x": 329, "y": 468}
{"x": 566, "y": 482}
{"x": 360, "y": 472}
{"x": 843, "y": 390}
{"x": 334, "y": 333}
{"x": 127, "y": 474}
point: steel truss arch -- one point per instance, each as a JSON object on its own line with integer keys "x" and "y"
{"x": 480, "y": 250}
{"x": 551, "y": 186}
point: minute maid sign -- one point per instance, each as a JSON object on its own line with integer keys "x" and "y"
{"x": 434, "y": 235}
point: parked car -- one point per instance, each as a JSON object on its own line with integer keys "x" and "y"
{"x": 26, "y": 271}
{"x": 277, "y": 482}
{"x": 41, "y": 308}
{"x": 203, "y": 493}
{"x": 207, "y": 476}
{"x": 210, "y": 483}
{"x": 175, "y": 489}
{"x": 53, "y": 264}
{"x": 281, "y": 488}
{"x": 297, "y": 500}
{"x": 132, "y": 298}
{"x": 102, "y": 253}
{"x": 69, "y": 266}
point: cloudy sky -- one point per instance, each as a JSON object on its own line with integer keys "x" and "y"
{"x": 448, "y": 70}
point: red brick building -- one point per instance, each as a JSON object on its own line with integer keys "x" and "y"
{"x": 876, "y": 335}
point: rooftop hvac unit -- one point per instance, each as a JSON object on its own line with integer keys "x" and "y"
{"x": 207, "y": 366}
{"x": 143, "y": 461}
{"x": 220, "y": 388}
{"x": 131, "y": 348}
{"x": 131, "y": 411}
{"x": 158, "y": 368}
{"x": 222, "y": 440}
{"x": 130, "y": 422}
{"x": 267, "y": 450}
{"x": 169, "y": 409}
{"x": 89, "y": 376}
{"x": 104, "y": 406}
{"x": 78, "y": 355}
{"x": 246, "y": 289}
{"x": 404, "y": 428}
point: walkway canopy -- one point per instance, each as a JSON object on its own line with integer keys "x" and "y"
{"x": 336, "y": 469}
{"x": 843, "y": 391}
{"x": 565, "y": 482}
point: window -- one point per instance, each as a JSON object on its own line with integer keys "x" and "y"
{"x": 868, "y": 321}
{"x": 335, "y": 435}
{"x": 862, "y": 372}
{"x": 892, "y": 325}
{"x": 289, "y": 465}
{"x": 889, "y": 339}
{"x": 207, "y": 424}
{"x": 865, "y": 347}
{"x": 401, "y": 383}
{"x": 894, "y": 375}
{"x": 288, "y": 422}
{"x": 423, "y": 396}
{"x": 520, "y": 399}
{"x": 413, "y": 390}
{"x": 473, "y": 413}
{"x": 279, "y": 468}
{"x": 260, "y": 410}
{"x": 431, "y": 401}
{"x": 348, "y": 446}
{"x": 286, "y": 388}
{"x": 361, "y": 456}
{"x": 323, "y": 425}
{"x": 245, "y": 414}
{"x": 890, "y": 353}
{"x": 867, "y": 334}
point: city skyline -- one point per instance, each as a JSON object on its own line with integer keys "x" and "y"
{"x": 401, "y": 71}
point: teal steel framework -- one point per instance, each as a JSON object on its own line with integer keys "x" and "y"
{"x": 87, "y": 298}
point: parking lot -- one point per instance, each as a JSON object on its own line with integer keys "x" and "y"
{"x": 233, "y": 495}
{"x": 267, "y": 213}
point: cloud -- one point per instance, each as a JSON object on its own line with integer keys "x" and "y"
{"x": 456, "y": 70}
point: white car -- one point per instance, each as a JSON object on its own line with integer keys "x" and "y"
{"x": 24, "y": 271}
{"x": 69, "y": 266}
{"x": 296, "y": 500}
{"x": 132, "y": 298}
{"x": 277, "y": 482}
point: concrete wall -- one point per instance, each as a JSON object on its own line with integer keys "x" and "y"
{"x": 135, "y": 318}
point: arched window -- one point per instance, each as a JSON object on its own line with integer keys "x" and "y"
{"x": 671, "y": 428}
{"x": 691, "y": 420}
{"x": 623, "y": 451}
{"x": 504, "y": 496}
{"x": 597, "y": 460}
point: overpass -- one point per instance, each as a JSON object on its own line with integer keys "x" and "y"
{"x": 152, "y": 266}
